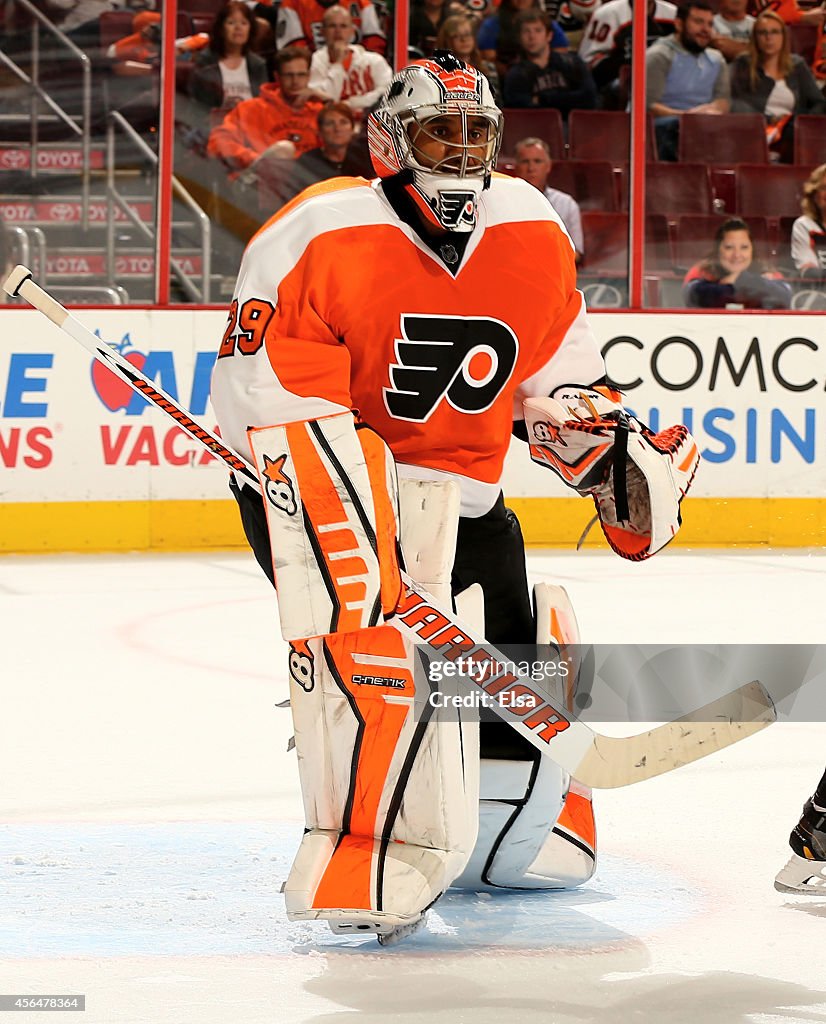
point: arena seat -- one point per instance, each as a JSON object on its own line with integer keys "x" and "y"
{"x": 672, "y": 189}
{"x": 603, "y": 135}
{"x": 590, "y": 182}
{"x": 542, "y": 124}
{"x": 803, "y": 40}
{"x": 810, "y": 140}
{"x": 770, "y": 191}
{"x": 723, "y": 139}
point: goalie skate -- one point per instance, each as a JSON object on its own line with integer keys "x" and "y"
{"x": 388, "y": 933}
{"x": 802, "y": 877}
{"x": 805, "y": 873}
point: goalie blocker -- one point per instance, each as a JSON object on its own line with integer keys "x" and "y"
{"x": 637, "y": 478}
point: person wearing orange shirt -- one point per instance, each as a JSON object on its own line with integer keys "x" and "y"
{"x": 790, "y": 11}
{"x": 383, "y": 338}
{"x": 281, "y": 113}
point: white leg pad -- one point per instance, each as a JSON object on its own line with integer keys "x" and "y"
{"x": 536, "y": 825}
{"x": 390, "y": 801}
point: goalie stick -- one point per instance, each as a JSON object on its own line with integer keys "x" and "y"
{"x": 598, "y": 761}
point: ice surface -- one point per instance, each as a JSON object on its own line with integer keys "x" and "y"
{"x": 149, "y": 811}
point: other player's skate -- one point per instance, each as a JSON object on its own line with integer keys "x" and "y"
{"x": 805, "y": 874}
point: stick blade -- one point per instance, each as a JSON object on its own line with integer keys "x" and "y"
{"x": 622, "y": 761}
{"x": 17, "y": 277}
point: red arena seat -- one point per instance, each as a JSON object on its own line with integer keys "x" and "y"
{"x": 810, "y": 140}
{"x": 590, "y": 182}
{"x": 672, "y": 189}
{"x": 772, "y": 191}
{"x": 541, "y": 124}
{"x": 723, "y": 139}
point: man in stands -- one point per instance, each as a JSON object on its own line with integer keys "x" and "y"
{"x": 606, "y": 45}
{"x": 533, "y": 163}
{"x": 300, "y": 23}
{"x": 546, "y": 77}
{"x": 732, "y": 28}
{"x": 337, "y": 156}
{"x": 685, "y": 75}
{"x": 281, "y": 114}
{"x": 343, "y": 71}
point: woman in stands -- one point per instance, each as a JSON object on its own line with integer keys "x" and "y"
{"x": 730, "y": 276}
{"x": 775, "y": 82}
{"x": 458, "y": 34}
{"x": 809, "y": 231}
{"x": 228, "y": 72}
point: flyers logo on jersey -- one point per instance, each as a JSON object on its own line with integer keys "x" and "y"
{"x": 464, "y": 360}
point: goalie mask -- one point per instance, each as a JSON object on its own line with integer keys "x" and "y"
{"x": 438, "y": 122}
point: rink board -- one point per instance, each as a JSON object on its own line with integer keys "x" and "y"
{"x": 86, "y": 465}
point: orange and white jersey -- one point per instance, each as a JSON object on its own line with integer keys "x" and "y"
{"x": 300, "y": 24}
{"x": 340, "y": 305}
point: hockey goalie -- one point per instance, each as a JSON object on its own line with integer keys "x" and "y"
{"x": 384, "y": 340}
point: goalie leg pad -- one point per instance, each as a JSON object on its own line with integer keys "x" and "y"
{"x": 536, "y": 829}
{"x": 331, "y": 500}
{"x": 536, "y": 824}
{"x": 390, "y": 798}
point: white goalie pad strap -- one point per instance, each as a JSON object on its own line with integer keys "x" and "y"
{"x": 636, "y": 478}
{"x": 429, "y": 514}
{"x": 331, "y": 500}
{"x": 390, "y": 795}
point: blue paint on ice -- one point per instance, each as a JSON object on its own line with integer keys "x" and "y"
{"x": 213, "y": 888}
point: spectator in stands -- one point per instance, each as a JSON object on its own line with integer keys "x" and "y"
{"x": 300, "y": 24}
{"x": 227, "y": 71}
{"x": 809, "y": 230}
{"x": 533, "y": 163}
{"x": 731, "y": 277}
{"x": 732, "y": 28}
{"x": 498, "y": 36}
{"x": 775, "y": 82}
{"x": 790, "y": 11}
{"x": 139, "y": 53}
{"x": 426, "y": 17}
{"x": 685, "y": 76}
{"x": 341, "y": 70}
{"x": 260, "y": 128}
{"x": 607, "y": 43}
{"x": 458, "y": 34}
{"x": 337, "y": 155}
{"x": 547, "y": 77}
